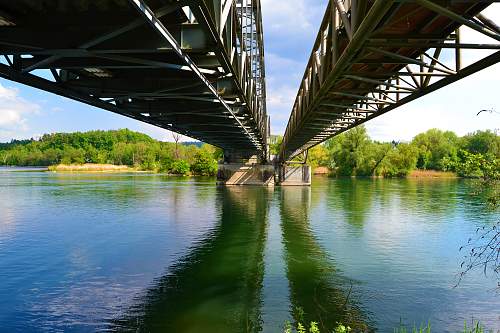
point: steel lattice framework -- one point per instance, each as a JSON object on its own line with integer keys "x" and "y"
{"x": 195, "y": 67}
{"x": 371, "y": 57}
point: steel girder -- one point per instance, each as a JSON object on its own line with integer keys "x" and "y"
{"x": 371, "y": 57}
{"x": 195, "y": 67}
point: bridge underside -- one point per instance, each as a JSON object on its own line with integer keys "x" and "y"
{"x": 371, "y": 57}
{"x": 193, "y": 67}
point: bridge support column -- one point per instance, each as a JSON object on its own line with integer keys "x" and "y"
{"x": 294, "y": 175}
{"x": 242, "y": 168}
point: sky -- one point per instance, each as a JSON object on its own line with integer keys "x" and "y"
{"x": 290, "y": 28}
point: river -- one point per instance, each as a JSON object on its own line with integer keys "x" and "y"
{"x": 151, "y": 253}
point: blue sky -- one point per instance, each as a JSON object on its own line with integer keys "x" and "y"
{"x": 290, "y": 27}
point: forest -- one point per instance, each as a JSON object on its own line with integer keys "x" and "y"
{"x": 352, "y": 153}
{"x": 119, "y": 147}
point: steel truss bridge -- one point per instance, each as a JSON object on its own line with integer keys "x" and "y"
{"x": 195, "y": 67}
{"x": 371, "y": 57}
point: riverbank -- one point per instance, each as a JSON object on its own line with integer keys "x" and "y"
{"x": 431, "y": 174}
{"x": 324, "y": 171}
{"x": 91, "y": 168}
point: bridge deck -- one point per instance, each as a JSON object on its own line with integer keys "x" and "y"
{"x": 373, "y": 56}
{"x": 194, "y": 67}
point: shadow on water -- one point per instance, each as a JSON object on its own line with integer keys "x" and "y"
{"x": 217, "y": 287}
{"x": 318, "y": 292}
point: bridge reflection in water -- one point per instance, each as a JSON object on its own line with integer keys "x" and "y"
{"x": 317, "y": 291}
{"x": 218, "y": 286}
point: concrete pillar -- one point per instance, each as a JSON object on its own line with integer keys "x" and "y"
{"x": 294, "y": 175}
{"x": 245, "y": 174}
{"x": 244, "y": 168}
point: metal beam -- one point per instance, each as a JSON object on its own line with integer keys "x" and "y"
{"x": 162, "y": 31}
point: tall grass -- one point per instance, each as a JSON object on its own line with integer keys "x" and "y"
{"x": 313, "y": 328}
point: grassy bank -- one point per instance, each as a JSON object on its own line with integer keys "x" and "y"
{"x": 431, "y": 174}
{"x": 89, "y": 167}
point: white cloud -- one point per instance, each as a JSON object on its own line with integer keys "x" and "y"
{"x": 290, "y": 15}
{"x": 13, "y": 112}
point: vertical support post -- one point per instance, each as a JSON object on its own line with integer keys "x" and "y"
{"x": 422, "y": 68}
{"x": 398, "y": 84}
{"x": 458, "y": 51}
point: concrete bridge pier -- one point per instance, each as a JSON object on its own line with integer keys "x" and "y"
{"x": 246, "y": 168}
{"x": 294, "y": 174}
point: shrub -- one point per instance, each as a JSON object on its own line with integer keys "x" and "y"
{"x": 180, "y": 167}
{"x": 204, "y": 164}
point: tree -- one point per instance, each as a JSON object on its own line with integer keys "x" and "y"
{"x": 275, "y": 144}
{"x": 433, "y": 146}
{"x": 347, "y": 151}
{"x": 483, "y": 248}
{"x": 318, "y": 156}
{"x": 482, "y": 142}
{"x": 204, "y": 164}
{"x": 176, "y": 137}
{"x": 400, "y": 160}
{"x": 180, "y": 167}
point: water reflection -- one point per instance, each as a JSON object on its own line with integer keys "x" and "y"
{"x": 217, "y": 287}
{"x": 318, "y": 291}
{"x": 353, "y": 198}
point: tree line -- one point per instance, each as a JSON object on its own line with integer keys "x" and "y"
{"x": 354, "y": 153}
{"x": 119, "y": 147}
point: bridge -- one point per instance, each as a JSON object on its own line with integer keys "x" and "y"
{"x": 371, "y": 57}
{"x": 196, "y": 67}
{"x": 193, "y": 67}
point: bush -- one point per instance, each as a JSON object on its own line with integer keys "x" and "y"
{"x": 204, "y": 164}
{"x": 180, "y": 167}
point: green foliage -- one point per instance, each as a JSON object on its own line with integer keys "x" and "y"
{"x": 482, "y": 142}
{"x": 121, "y": 147}
{"x": 476, "y": 328}
{"x": 347, "y": 151}
{"x": 341, "y": 328}
{"x": 204, "y": 164}
{"x": 399, "y": 161}
{"x": 314, "y": 327}
{"x": 180, "y": 167}
{"x": 353, "y": 153}
{"x": 275, "y": 144}
{"x": 475, "y": 165}
{"x": 318, "y": 156}
{"x": 422, "y": 329}
{"x": 433, "y": 146}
